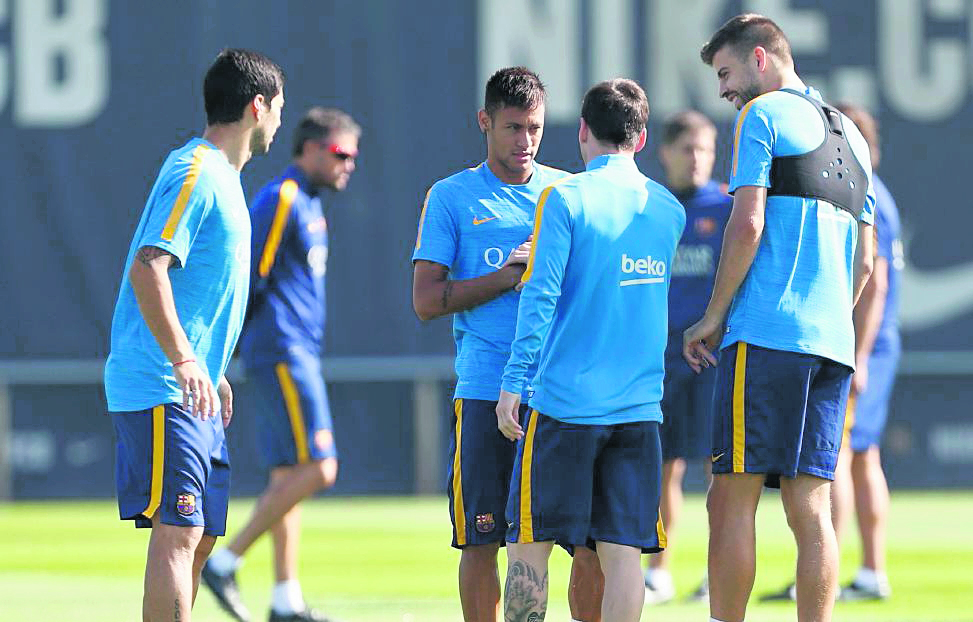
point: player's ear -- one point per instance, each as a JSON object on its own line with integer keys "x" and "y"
{"x": 583, "y": 132}
{"x": 483, "y": 119}
{"x": 257, "y": 106}
{"x": 640, "y": 143}
{"x": 760, "y": 57}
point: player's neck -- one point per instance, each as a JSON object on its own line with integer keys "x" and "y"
{"x": 788, "y": 79}
{"x": 507, "y": 175}
{"x": 232, "y": 141}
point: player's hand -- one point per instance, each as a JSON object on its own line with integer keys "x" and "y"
{"x": 508, "y": 413}
{"x": 859, "y": 380}
{"x": 196, "y": 387}
{"x": 226, "y": 400}
{"x": 521, "y": 254}
{"x": 700, "y": 341}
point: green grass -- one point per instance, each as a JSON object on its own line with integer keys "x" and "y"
{"x": 389, "y": 560}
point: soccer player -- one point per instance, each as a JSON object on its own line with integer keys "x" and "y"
{"x": 179, "y": 312}
{"x": 593, "y": 313}
{"x": 687, "y": 154}
{"x": 472, "y": 244}
{"x": 797, "y": 252}
{"x": 860, "y": 481}
{"x": 281, "y": 347}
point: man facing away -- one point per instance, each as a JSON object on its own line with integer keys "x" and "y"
{"x": 281, "y": 347}
{"x": 797, "y": 252}
{"x": 593, "y": 314}
{"x": 687, "y": 154}
{"x": 179, "y": 312}
{"x": 470, "y": 252}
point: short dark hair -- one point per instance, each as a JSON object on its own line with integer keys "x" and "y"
{"x": 234, "y": 79}
{"x": 518, "y": 87}
{"x": 318, "y": 123}
{"x": 682, "y": 122}
{"x": 616, "y": 111}
{"x": 745, "y": 32}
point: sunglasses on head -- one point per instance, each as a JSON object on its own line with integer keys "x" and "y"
{"x": 341, "y": 154}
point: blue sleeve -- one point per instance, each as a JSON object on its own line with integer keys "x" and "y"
{"x": 438, "y": 235}
{"x": 882, "y": 230}
{"x": 753, "y": 148}
{"x": 542, "y": 286}
{"x": 868, "y": 212}
{"x": 176, "y": 213}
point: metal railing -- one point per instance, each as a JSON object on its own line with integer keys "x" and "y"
{"x": 427, "y": 374}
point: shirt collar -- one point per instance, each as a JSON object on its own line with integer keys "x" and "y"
{"x": 611, "y": 160}
{"x": 294, "y": 172}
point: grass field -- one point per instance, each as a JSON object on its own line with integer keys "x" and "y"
{"x": 388, "y": 559}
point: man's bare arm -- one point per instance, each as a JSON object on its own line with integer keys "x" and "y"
{"x": 149, "y": 276}
{"x": 864, "y": 259}
{"x": 434, "y": 294}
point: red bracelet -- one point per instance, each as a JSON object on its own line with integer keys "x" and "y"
{"x": 181, "y": 362}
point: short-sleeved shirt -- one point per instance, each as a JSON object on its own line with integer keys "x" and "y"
{"x": 197, "y": 212}
{"x": 694, "y": 267}
{"x": 594, "y": 309}
{"x": 797, "y": 296}
{"x": 287, "y": 274}
{"x": 470, "y": 222}
{"x": 888, "y": 231}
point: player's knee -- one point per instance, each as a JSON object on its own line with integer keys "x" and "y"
{"x": 481, "y": 553}
{"x": 176, "y": 540}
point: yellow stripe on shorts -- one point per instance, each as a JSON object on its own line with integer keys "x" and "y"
{"x": 459, "y": 512}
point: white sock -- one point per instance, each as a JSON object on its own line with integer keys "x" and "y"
{"x": 287, "y": 597}
{"x": 660, "y": 579}
{"x": 714, "y": 620}
{"x": 224, "y": 562}
{"x": 869, "y": 578}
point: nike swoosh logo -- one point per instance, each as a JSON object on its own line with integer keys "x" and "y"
{"x": 480, "y": 221}
{"x": 933, "y": 297}
{"x": 715, "y": 458}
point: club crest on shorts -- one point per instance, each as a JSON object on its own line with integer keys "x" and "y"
{"x": 485, "y": 523}
{"x": 186, "y": 504}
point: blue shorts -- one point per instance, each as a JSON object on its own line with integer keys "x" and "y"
{"x": 168, "y": 461}
{"x": 871, "y": 409}
{"x": 292, "y": 412}
{"x": 478, "y": 480}
{"x": 687, "y": 409}
{"x": 580, "y": 484}
{"x": 778, "y": 413}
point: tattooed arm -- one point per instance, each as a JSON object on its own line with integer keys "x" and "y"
{"x": 435, "y": 294}
{"x": 149, "y": 276}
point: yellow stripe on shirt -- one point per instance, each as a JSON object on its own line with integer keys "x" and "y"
{"x": 286, "y": 195}
{"x": 739, "y": 414}
{"x": 538, "y": 216}
{"x": 158, "y": 460}
{"x": 422, "y": 218}
{"x": 293, "y": 403}
{"x": 459, "y": 512}
{"x": 185, "y": 192}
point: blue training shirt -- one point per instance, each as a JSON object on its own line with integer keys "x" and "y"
{"x": 197, "y": 212}
{"x": 470, "y": 222}
{"x": 290, "y": 256}
{"x": 888, "y": 230}
{"x": 797, "y": 296}
{"x": 594, "y": 308}
{"x": 694, "y": 267}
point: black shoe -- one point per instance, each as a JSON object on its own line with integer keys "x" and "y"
{"x": 788, "y": 593}
{"x": 308, "y": 615}
{"x": 857, "y": 592}
{"x": 227, "y": 593}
